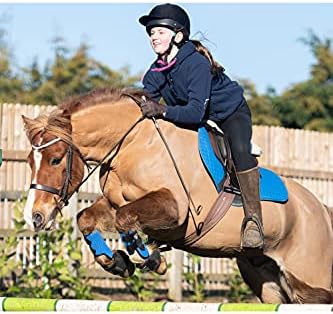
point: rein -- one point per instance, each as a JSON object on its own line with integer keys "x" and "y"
{"x": 115, "y": 146}
{"x": 198, "y": 227}
{"x": 65, "y": 196}
{"x": 63, "y": 193}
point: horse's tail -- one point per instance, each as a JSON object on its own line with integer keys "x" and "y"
{"x": 300, "y": 292}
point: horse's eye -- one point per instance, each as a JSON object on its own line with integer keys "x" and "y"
{"x": 55, "y": 161}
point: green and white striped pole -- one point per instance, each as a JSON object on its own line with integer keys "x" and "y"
{"x": 27, "y": 305}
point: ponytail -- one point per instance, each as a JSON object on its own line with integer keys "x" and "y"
{"x": 216, "y": 67}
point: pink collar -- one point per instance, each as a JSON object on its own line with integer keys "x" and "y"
{"x": 165, "y": 67}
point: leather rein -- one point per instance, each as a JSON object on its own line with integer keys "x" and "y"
{"x": 65, "y": 195}
{"x": 63, "y": 192}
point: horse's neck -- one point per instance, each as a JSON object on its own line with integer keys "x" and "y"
{"x": 97, "y": 129}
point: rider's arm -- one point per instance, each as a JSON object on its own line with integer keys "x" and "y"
{"x": 198, "y": 81}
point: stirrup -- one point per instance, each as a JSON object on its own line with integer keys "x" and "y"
{"x": 256, "y": 220}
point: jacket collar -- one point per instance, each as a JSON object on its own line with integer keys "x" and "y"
{"x": 185, "y": 50}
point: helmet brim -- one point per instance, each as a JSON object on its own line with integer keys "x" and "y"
{"x": 144, "y": 19}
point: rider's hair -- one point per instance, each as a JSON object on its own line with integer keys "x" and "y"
{"x": 216, "y": 67}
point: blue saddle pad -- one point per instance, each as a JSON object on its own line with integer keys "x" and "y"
{"x": 272, "y": 188}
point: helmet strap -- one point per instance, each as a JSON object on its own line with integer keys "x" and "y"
{"x": 171, "y": 44}
{"x": 168, "y": 51}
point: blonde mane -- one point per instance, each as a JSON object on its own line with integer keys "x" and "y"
{"x": 53, "y": 123}
{"x": 97, "y": 96}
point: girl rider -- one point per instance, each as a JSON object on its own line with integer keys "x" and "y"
{"x": 195, "y": 88}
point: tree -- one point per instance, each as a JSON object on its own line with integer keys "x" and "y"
{"x": 309, "y": 104}
{"x": 72, "y": 75}
{"x": 263, "y": 112}
{"x": 10, "y": 84}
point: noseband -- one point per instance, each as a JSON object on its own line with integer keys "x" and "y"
{"x": 63, "y": 192}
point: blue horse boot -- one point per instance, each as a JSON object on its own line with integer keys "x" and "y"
{"x": 115, "y": 262}
{"x": 150, "y": 257}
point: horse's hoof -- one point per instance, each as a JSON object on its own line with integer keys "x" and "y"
{"x": 163, "y": 267}
{"x": 121, "y": 265}
{"x": 155, "y": 262}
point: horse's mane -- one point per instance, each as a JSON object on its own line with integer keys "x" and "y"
{"x": 57, "y": 122}
{"x": 97, "y": 96}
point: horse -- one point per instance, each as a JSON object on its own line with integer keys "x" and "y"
{"x": 142, "y": 191}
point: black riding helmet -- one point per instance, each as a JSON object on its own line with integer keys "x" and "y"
{"x": 167, "y": 15}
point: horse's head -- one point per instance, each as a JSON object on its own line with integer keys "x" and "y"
{"x": 57, "y": 169}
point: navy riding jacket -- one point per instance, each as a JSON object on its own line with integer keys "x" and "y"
{"x": 190, "y": 90}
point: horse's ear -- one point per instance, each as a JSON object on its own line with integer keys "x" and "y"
{"x": 27, "y": 122}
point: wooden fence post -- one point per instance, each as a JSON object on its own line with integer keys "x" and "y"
{"x": 72, "y": 211}
{"x": 175, "y": 291}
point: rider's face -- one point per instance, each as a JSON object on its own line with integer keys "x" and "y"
{"x": 160, "y": 38}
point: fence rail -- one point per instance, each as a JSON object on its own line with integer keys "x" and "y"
{"x": 305, "y": 156}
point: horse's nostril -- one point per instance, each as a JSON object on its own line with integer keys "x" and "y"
{"x": 37, "y": 220}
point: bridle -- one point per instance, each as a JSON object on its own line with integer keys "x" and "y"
{"x": 63, "y": 192}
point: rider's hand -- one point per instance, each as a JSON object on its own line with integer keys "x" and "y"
{"x": 151, "y": 108}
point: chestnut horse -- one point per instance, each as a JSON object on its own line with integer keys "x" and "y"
{"x": 142, "y": 191}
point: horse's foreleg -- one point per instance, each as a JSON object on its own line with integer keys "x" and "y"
{"x": 93, "y": 220}
{"x": 155, "y": 211}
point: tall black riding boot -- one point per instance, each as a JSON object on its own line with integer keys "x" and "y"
{"x": 252, "y": 235}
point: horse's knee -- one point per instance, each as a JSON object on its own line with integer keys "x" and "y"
{"x": 126, "y": 220}
{"x": 100, "y": 215}
{"x": 86, "y": 221}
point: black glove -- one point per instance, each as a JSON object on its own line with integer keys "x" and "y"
{"x": 151, "y": 108}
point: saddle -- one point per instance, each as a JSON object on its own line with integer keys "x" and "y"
{"x": 216, "y": 155}
{"x": 210, "y": 135}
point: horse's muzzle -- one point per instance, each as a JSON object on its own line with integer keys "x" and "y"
{"x": 38, "y": 221}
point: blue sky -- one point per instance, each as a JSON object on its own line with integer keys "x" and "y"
{"x": 253, "y": 41}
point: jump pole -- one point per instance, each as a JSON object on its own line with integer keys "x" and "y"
{"x": 59, "y": 305}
